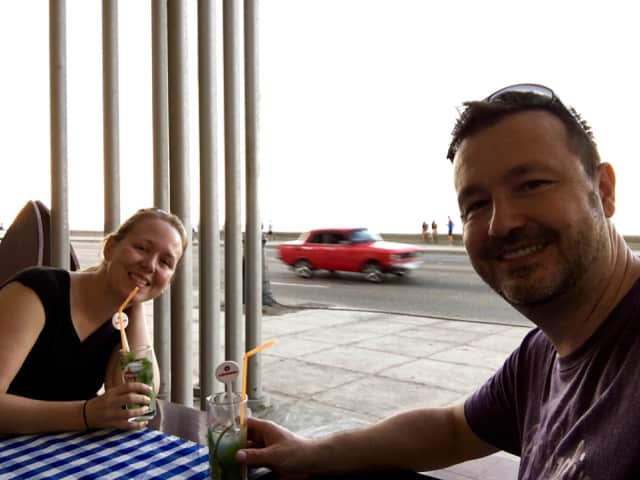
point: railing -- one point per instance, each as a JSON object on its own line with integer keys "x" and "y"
{"x": 172, "y": 177}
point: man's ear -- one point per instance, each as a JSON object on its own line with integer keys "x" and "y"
{"x": 607, "y": 188}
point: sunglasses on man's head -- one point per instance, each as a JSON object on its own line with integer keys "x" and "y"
{"x": 533, "y": 95}
{"x": 534, "y": 88}
{"x": 543, "y": 92}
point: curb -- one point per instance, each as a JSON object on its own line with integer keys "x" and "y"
{"x": 400, "y": 314}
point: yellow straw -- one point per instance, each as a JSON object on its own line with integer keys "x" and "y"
{"x": 245, "y": 361}
{"x": 123, "y": 336}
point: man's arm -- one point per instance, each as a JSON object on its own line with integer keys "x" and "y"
{"x": 421, "y": 439}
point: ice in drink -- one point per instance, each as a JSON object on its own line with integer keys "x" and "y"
{"x": 137, "y": 366}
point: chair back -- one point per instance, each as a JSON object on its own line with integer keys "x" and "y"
{"x": 26, "y": 242}
{"x": 45, "y": 218}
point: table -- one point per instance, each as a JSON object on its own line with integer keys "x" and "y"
{"x": 190, "y": 424}
{"x": 101, "y": 454}
{"x": 173, "y": 447}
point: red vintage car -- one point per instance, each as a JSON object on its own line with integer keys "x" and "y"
{"x": 348, "y": 250}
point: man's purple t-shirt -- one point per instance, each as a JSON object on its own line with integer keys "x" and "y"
{"x": 570, "y": 418}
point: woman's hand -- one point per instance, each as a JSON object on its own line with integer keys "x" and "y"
{"x": 279, "y": 449}
{"x": 107, "y": 410}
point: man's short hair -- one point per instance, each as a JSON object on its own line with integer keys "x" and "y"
{"x": 478, "y": 115}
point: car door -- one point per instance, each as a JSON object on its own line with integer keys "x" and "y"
{"x": 341, "y": 255}
{"x": 326, "y": 250}
{"x": 314, "y": 250}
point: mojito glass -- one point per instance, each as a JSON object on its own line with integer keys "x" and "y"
{"x": 137, "y": 366}
{"x": 226, "y": 436}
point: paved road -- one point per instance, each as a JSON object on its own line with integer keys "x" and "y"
{"x": 445, "y": 286}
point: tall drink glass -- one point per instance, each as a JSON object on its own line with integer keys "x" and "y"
{"x": 137, "y": 366}
{"x": 226, "y": 436}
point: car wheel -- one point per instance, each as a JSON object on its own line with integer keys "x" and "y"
{"x": 303, "y": 269}
{"x": 373, "y": 272}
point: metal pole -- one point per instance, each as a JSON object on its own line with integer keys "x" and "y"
{"x": 58, "y": 111}
{"x": 111, "y": 129}
{"x": 233, "y": 163}
{"x": 253, "y": 247}
{"x": 210, "y": 295}
{"x": 162, "y": 304}
{"x": 182, "y": 288}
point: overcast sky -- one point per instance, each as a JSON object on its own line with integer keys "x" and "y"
{"x": 358, "y": 98}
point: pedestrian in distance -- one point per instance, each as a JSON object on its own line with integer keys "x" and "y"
{"x": 425, "y": 231}
{"x": 59, "y": 343}
{"x": 450, "y": 230}
{"x": 434, "y": 231}
{"x": 536, "y": 205}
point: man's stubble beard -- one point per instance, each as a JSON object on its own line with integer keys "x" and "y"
{"x": 587, "y": 243}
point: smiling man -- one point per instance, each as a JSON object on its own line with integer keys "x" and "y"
{"x": 535, "y": 203}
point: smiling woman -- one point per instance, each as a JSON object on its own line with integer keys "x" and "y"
{"x": 144, "y": 253}
{"x": 58, "y": 346}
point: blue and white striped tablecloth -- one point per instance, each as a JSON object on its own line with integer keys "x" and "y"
{"x": 143, "y": 454}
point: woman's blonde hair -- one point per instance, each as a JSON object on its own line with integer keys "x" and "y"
{"x": 140, "y": 215}
{"x": 146, "y": 214}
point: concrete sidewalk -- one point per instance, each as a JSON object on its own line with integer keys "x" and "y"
{"x": 337, "y": 369}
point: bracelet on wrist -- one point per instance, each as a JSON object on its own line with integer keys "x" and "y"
{"x": 84, "y": 414}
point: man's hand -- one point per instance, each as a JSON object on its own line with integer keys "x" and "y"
{"x": 274, "y": 447}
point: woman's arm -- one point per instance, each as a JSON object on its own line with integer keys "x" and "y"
{"x": 22, "y": 319}
{"x": 20, "y": 415}
{"x": 21, "y": 322}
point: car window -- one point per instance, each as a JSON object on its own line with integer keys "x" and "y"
{"x": 340, "y": 238}
{"x": 333, "y": 238}
{"x": 316, "y": 238}
{"x": 363, "y": 235}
